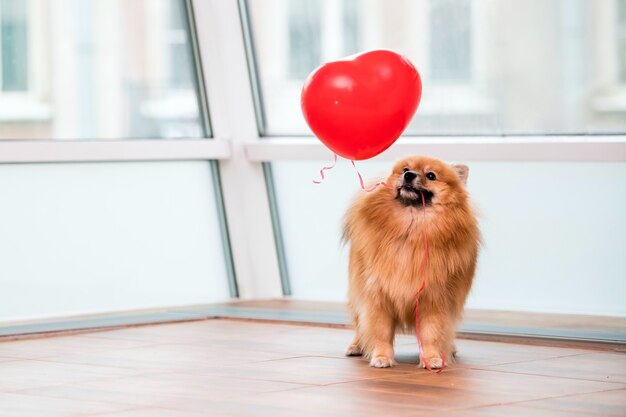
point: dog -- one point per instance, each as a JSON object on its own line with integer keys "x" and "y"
{"x": 425, "y": 198}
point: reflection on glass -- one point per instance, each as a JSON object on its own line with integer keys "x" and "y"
{"x": 97, "y": 69}
{"x": 489, "y": 67}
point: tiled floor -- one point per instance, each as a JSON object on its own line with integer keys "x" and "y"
{"x": 238, "y": 368}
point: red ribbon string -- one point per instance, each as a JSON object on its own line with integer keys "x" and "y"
{"x": 417, "y": 296}
{"x": 326, "y": 169}
{"x": 373, "y": 187}
{"x": 361, "y": 182}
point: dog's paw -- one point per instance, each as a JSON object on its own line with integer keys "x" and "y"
{"x": 381, "y": 361}
{"x": 354, "y": 350}
{"x": 433, "y": 363}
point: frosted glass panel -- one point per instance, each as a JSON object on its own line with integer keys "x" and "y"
{"x": 554, "y": 233}
{"x": 91, "y": 238}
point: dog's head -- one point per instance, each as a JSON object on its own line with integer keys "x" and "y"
{"x": 440, "y": 183}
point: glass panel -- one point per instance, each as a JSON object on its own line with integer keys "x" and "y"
{"x": 304, "y": 46}
{"x": 13, "y": 33}
{"x": 451, "y": 60}
{"x": 108, "y": 237}
{"x": 97, "y": 69}
{"x": 547, "y": 246}
{"x": 488, "y": 67}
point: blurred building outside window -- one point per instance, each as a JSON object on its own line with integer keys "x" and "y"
{"x": 14, "y": 41}
{"x": 538, "y": 67}
{"x": 97, "y": 69}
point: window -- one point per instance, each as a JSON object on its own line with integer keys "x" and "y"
{"x": 484, "y": 71}
{"x": 153, "y": 223}
{"x": 351, "y": 27}
{"x": 450, "y": 44}
{"x": 99, "y": 70}
{"x": 318, "y": 29}
{"x": 137, "y": 229}
{"x": 178, "y": 40}
{"x": 487, "y": 69}
{"x": 14, "y": 45}
{"x": 304, "y": 42}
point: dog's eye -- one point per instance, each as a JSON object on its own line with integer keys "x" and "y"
{"x": 431, "y": 176}
{"x": 405, "y": 170}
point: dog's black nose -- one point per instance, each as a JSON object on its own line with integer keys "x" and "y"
{"x": 409, "y": 176}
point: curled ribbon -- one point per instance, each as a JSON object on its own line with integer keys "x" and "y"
{"x": 361, "y": 182}
{"x": 326, "y": 169}
{"x": 373, "y": 187}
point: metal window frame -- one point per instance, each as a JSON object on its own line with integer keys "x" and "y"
{"x": 239, "y": 151}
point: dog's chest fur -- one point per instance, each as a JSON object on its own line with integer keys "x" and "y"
{"x": 394, "y": 272}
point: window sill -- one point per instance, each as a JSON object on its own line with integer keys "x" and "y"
{"x": 590, "y": 148}
{"x": 453, "y": 148}
{"x": 533, "y": 328}
{"x": 14, "y": 151}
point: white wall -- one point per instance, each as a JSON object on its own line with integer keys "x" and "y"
{"x": 87, "y": 238}
{"x": 555, "y": 233}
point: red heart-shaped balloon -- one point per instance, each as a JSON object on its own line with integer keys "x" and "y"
{"x": 360, "y": 105}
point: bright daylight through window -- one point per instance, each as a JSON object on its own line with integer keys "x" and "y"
{"x": 65, "y": 74}
{"x": 481, "y": 75}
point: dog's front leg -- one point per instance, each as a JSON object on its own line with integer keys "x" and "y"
{"x": 437, "y": 337}
{"x": 378, "y": 331}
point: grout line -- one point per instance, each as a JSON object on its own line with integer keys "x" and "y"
{"x": 113, "y": 413}
{"x": 520, "y": 402}
{"x": 7, "y": 359}
{"x": 81, "y": 381}
{"x": 525, "y": 405}
{"x": 60, "y": 362}
{"x": 549, "y": 376}
{"x": 156, "y": 363}
{"x": 535, "y": 360}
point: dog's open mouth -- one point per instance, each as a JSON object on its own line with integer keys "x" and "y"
{"x": 411, "y": 196}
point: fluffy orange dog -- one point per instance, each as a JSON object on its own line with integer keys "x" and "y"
{"x": 385, "y": 229}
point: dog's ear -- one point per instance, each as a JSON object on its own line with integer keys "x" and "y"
{"x": 462, "y": 171}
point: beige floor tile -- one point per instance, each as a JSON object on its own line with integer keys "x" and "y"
{"x": 462, "y": 388}
{"x": 24, "y": 374}
{"x": 238, "y": 369}
{"x": 50, "y": 346}
{"x": 172, "y": 357}
{"x": 20, "y": 405}
{"x": 606, "y": 403}
{"x": 313, "y": 370}
{"x": 596, "y": 366}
